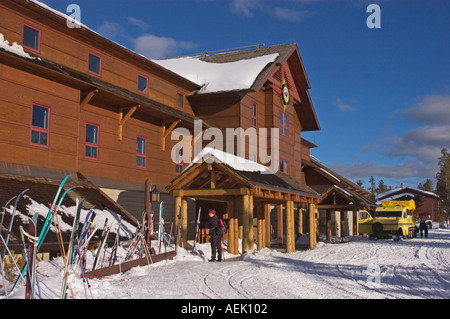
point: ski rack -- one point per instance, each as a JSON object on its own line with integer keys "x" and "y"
{"x": 127, "y": 265}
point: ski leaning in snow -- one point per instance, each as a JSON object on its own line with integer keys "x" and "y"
{"x": 31, "y": 259}
{"x": 11, "y": 223}
{"x": 161, "y": 226}
{"x": 101, "y": 246}
{"x": 69, "y": 261}
{"x": 113, "y": 258}
{"x": 196, "y": 231}
{"x": 46, "y": 227}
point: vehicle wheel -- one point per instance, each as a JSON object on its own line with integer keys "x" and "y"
{"x": 377, "y": 229}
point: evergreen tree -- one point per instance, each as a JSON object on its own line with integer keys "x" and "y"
{"x": 427, "y": 186}
{"x": 443, "y": 182}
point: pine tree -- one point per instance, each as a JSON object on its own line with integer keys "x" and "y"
{"x": 427, "y": 186}
{"x": 443, "y": 182}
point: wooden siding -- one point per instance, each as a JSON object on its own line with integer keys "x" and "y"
{"x": 71, "y": 48}
{"x": 18, "y": 92}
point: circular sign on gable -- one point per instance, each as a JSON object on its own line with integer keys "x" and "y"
{"x": 285, "y": 96}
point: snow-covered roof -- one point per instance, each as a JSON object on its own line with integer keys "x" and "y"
{"x": 219, "y": 77}
{"x": 404, "y": 191}
{"x": 211, "y": 155}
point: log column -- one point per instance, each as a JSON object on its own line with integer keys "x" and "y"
{"x": 184, "y": 223}
{"x": 290, "y": 227}
{"x": 280, "y": 234}
{"x": 267, "y": 210}
{"x": 261, "y": 242}
{"x": 328, "y": 225}
{"x": 312, "y": 226}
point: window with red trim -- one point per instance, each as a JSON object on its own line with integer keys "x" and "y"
{"x": 180, "y": 100}
{"x": 284, "y": 124}
{"x": 284, "y": 166}
{"x": 31, "y": 37}
{"x": 91, "y": 141}
{"x": 254, "y": 114}
{"x": 179, "y": 164}
{"x": 141, "y": 152}
{"x": 143, "y": 84}
{"x": 40, "y": 125}
{"x": 95, "y": 63}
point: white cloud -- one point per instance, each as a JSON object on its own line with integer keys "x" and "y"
{"x": 290, "y": 15}
{"x": 344, "y": 106}
{"x": 432, "y": 109}
{"x": 156, "y": 47}
{"x": 137, "y": 23}
{"x": 244, "y": 7}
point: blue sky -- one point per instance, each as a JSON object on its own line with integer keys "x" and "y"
{"x": 382, "y": 95}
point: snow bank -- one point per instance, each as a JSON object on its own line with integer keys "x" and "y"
{"x": 218, "y": 77}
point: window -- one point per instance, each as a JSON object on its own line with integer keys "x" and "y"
{"x": 254, "y": 113}
{"x": 179, "y": 165}
{"x": 91, "y": 145}
{"x": 180, "y": 100}
{"x": 40, "y": 125}
{"x": 283, "y": 124}
{"x": 283, "y": 166}
{"x": 95, "y": 64}
{"x": 141, "y": 152}
{"x": 31, "y": 37}
{"x": 142, "y": 84}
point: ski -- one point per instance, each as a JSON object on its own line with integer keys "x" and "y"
{"x": 103, "y": 239}
{"x": 8, "y": 233}
{"x": 46, "y": 227}
{"x": 3, "y": 211}
{"x": 196, "y": 230}
{"x": 31, "y": 265}
{"x": 161, "y": 226}
{"x": 69, "y": 260}
{"x": 113, "y": 257}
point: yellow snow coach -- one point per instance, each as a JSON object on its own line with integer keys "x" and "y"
{"x": 392, "y": 218}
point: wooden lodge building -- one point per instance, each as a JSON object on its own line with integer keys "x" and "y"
{"x": 427, "y": 203}
{"x": 76, "y": 102}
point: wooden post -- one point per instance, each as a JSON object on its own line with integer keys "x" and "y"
{"x": 251, "y": 232}
{"x": 300, "y": 219}
{"x": 261, "y": 243}
{"x": 342, "y": 223}
{"x": 312, "y": 228}
{"x": 232, "y": 231}
{"x": 355, "y": 222}
{"x": 267, "y": 209}
{"x": 290, "y": 227}
{"x": 328, "y": 225}
{"x": 184, "y": 222}
{"x": 280, "y": 224}
{"x": 245, "y": 224}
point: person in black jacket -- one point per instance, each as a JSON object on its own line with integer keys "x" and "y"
{"x": 215, "y": 232}
{"x": 423, "y": 227}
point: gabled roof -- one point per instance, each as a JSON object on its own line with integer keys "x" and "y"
{"x": 337, "y": 183}
{"x": 404, "y": 191}
{"x": 248, "y": 71}
{"x": 233, "y": 172}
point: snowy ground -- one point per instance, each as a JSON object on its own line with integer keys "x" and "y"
{"x": 360, "y": 268}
